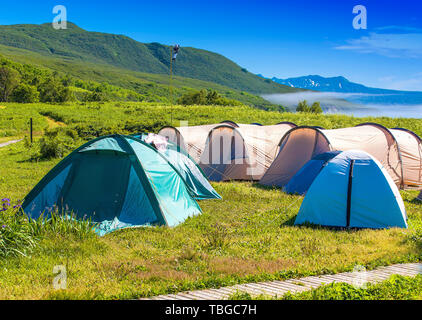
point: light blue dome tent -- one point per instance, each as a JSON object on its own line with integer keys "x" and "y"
{"x": 303, "y": 179}
{"x": 117, "y": 181}
{"x": 353, "y": 190}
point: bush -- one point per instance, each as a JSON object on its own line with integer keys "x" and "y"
{"x": 16, "y": 237}
{"x": 56, "y": 143}
{"x": 25, "y": 94}
{"x": 94, "y": 97}
{"x": 206, "y": 97}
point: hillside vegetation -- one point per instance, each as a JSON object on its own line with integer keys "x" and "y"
{"x": 76, "y": 45}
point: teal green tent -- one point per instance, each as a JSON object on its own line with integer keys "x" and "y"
{"x": 117, "y": 181}
{"x": 192, "y": 174}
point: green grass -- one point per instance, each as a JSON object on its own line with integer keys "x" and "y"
{"x": 248, "y": 236}
{"x": 131, "y": 117}
{"x": 395, "y": 288}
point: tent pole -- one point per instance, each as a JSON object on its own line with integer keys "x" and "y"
{"x": 171, "y": 86}
{"x": 349, "y": 193}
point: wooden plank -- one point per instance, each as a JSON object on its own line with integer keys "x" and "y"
{"x": 402, "y": 271}
{"x": 332, "y": 279}
{"x": 244, "y": 288}
{"x": 212, "y": 295}
{"x": 277, "y": 288}
{"x": 168, "y": 297}
{"x": 317, "y": 281}
{"x": 289, "y": 286}
{"x": 198, "y": 295}
{"x": 411, "y": 268}
{"x": 262, "y": 287}
{"x": 268, "y": 290}
{"x": 221, "y": 294}
{"x": 310, "y": 284}
{"x": 186, "y": 296}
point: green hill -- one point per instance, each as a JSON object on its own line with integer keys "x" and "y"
{"x": 76, "y": 45}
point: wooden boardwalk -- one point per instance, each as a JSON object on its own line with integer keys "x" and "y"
{"x": 279, "y": 288}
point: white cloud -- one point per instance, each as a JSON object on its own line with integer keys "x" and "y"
{"x": 412, "y": 83}
{"x": 390, "y": 41}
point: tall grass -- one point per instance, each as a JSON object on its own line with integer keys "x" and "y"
{"x": 16, "y": 237}
{"x": 19, "y": 235}
{"x": 62, "y": 223}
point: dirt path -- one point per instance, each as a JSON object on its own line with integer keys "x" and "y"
{"x": 9, "y": 143}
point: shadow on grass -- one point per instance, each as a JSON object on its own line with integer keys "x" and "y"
{"x": 330, "y": 228}
{"x": 415, "y": 201}
{"x": 262, "y": 187}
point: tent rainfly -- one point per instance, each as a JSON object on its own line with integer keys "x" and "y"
{"x": 192, "y": 174}
{"x": 118, "y": 182}
{"x": 353, "y": 190}
{"x": 241, "y": 153}
{"x": 398, "y": 150}
{"x": 303, "y": 179}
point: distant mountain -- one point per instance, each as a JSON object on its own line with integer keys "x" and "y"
{"x": 76, "y": 45}
{"x": 334, "y": 84}
{"x": 341, "y": 88}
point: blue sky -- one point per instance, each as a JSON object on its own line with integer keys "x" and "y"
{"x": 274, "y": 38}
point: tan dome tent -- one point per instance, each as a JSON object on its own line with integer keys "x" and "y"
{"x": 242, "y": 153}
{"x": 191, "y": 139}
{"x": 301, "y": 144}
{"x": 411, "y": 154}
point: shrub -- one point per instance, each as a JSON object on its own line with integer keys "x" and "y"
{"x": 25, "y": 94}
{"x": 16, "y": 237}
{"x": 217, "y": 237}
{"x": 206, "y": 97}
{"x": 56, "y": 143}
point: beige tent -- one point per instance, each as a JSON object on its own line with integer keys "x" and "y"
{"x": 411, "y": 155}
{"x": 398, "y": 150}
{"x": 191, "y": 139}
{"x": 244, "y": 152}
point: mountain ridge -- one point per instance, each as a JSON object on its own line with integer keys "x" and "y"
{"x": 334, "y": 84}
{"x": 77, "y": 44}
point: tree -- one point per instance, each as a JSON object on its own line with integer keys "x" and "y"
{"x": 25, "y": 93}
{"x": 9, "y": 80}
{"x": 303, "y": 106}
{"x": 53, "y": 90}
{"x": 316, "y": 108}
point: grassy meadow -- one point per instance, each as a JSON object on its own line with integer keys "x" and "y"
{"x": 248, "y": 236}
